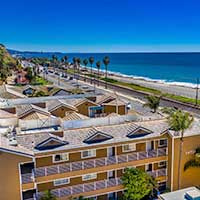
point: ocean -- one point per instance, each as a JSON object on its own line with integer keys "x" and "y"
{"x": 175, "y": 68}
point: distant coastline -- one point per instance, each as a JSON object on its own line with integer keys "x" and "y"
{"x": 179, "y": 69}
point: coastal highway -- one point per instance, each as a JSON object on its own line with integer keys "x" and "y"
{"x": 165, "y": 102}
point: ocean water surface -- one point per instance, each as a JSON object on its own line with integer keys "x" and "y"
{"x": 179, "y": 68}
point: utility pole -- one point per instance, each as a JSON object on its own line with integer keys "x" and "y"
{"x": 197, "y": 91}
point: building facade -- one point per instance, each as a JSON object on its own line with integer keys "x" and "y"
{"x": 90, "y": 161}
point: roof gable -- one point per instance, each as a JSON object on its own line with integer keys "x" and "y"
{"x": 97, "y": 137}
{"x": 105, "y": 99}
{"x": 59, "y": 104}
{"x": 60, "y": 92}
{"x": 85, "y": 101}
{"x": 50, "y": 143}
{"x": 139, "y": 132}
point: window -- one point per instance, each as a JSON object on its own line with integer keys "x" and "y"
{"x": 162, "y": 164}
{"x": 128, "y": 147}
{"x": 111, "y": 174}
{"x": 149, "y": 167}
{"x": 89, "y": 177}
{"x": 62, "y": 181}
{"x": 88, "y": 153}
{"x": 60, "y": 157}
{"x": 162, "y": 143}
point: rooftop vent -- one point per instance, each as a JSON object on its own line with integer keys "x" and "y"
{"x": 193, "y": 194}
{"x": 13, "y": 142}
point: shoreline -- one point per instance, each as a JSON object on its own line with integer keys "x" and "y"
{"x": 176, "y": 88}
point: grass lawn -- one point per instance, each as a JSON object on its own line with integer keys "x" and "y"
{"x": 146, "y": 89}
{"x": 40, "y": 81}
{"x": 152, "y": 91}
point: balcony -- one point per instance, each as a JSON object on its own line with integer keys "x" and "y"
{"x": 158, "y": 173}
{"x": 99, "y": 162}
{"x": 27, "y": 178}
{"x": 27, "y": 172}
{"x": 98, "y": 185}
{"x": 93, "y": 163}
{"x": 82, "y": 188}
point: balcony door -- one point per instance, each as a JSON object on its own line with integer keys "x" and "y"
{"x": 149, "y": 145}
{"x": 111, "y": 151}
{"x": 112, "y": 196}
{"x": 149, "y": 167}
{"x": 111, "y": 174}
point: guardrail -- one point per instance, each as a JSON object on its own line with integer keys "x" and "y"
{"x": 158, "y": 173}
{"x": 81, "y": 188}
{"x": 27, "y": 178}
{"x": 93, "y": 163}
{"x": 99, "y": 162}
{"x": 98, "y": 185}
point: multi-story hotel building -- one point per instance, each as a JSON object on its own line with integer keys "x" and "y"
{"x": 90, "y": 160}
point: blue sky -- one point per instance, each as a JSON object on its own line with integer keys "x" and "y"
{"x": 100, "y": 25}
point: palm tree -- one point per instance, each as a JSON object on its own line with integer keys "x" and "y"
{"x": 65, "y": 58}
{"x": 91, "y": 60}
{"x": 106, "y": 61}
{"x": 85, "y": 62}
{"x": 153, "y": 102}
{"x": 74, "y": 64}
{"x": 98, "y": 64}
{"x": 54, "y": 60}
{"x": 48, "y": 196}
{"x": 179, "y": 121}
{"x": 193, "y": 162}
{"x": 62, "y": 60}
{"x": 78, "y": 60}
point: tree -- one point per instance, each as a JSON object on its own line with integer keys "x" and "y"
{"x": 40, "y": 94}
{"x": 153, "y": 102}
{"x": 54, "y": 60}
{"x": 193, "y": 162}
{"x": 78, "y": 68}
{"x": 48, "y": 196}
{"x": 98, "y": 64}
{"x": 179, "y": 121}
{"x": 91, "y": 61}
{"x": 74, "y": 64}
{"x": 29, "y": 74}
{"x": 168, "y": 110}
{"x": 106, "y": 61}
{"x": 138, "y": 184}
{"x": 85, "y": 62}
{"x": 66, "y": 60}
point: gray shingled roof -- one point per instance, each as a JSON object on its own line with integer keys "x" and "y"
{"x": 76, "y": 137}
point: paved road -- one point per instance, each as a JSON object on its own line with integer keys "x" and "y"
{"x": 141, "y": 95}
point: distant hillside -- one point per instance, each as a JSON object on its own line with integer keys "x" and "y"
{"x": 31, "y": 54}
{"x": 5, "y": 58}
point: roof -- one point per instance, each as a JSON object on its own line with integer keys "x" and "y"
{"x": 116, "y": 102}
{"x": 4, "y": 114}
{"x": 35, "y": 115}
{"x": 54, "y": 104}
{"x": 23, "y": 110}
{"x": 180, "y": 194}
{"x": 104, "y": 98}
{"x": 107, "y": 134}
{"x": 116, "y": 133}
{"x": 72, "y": 115}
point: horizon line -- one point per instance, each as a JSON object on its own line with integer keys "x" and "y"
{"x": 101, "y": 52}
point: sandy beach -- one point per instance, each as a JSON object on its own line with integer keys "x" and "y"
{"x": 166, "y": 87}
